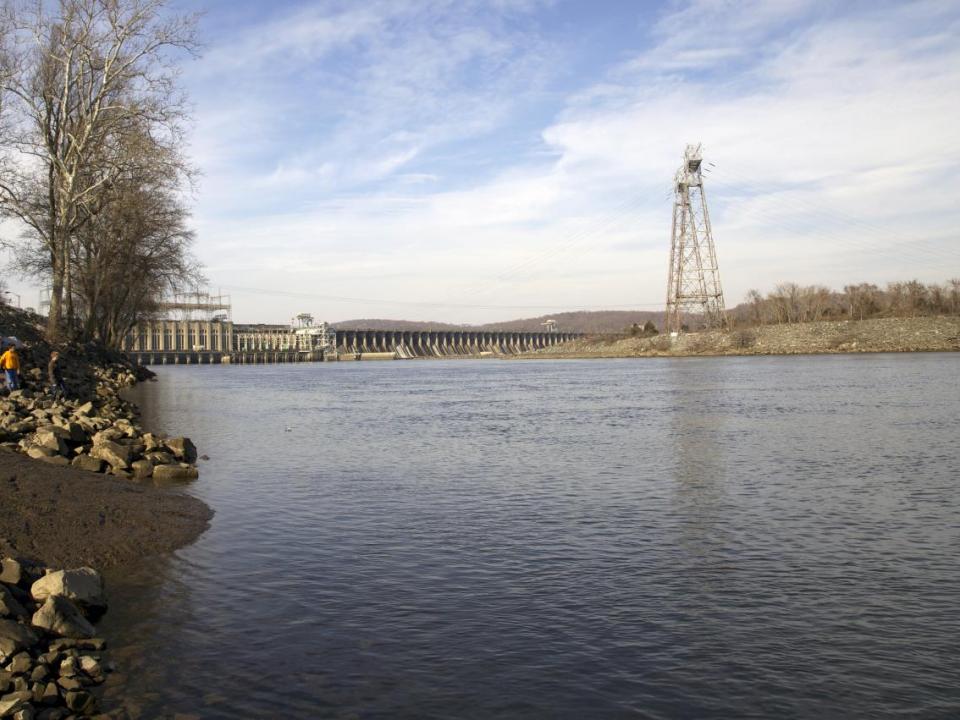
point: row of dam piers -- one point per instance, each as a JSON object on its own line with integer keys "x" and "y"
{"x": 353, "y": 345}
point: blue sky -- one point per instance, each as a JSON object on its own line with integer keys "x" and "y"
{"x": 475, "y": 161}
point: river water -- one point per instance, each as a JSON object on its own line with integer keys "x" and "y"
{"x": 662, "y": 538}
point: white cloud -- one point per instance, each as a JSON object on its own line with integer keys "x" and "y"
{"x": 832, "y": 139}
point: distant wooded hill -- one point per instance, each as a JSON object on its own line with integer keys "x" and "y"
{"x": 786, "y": 303}
{"x": 605, "y": 321}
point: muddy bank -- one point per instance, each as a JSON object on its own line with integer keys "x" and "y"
{"x": 66, "y": 517}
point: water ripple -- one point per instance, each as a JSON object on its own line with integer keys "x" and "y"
{"x": 743, "y": 537}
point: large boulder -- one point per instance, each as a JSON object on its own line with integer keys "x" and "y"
{"x": 182, "y": 449}
{"x": 9, "y": 607}
{"x": 22, "y": 427}
{"x": 83, "y": 585}
{"x": 117, "y": 455}
{"x": 160, "y": 458}
{"x": 13, "y": 703}
{"x": 81, "y": 701}
{"x": 58, "y": 616}
{"x": 14, "y": 637}
{"x": 11, "y": 571}
{"x": 84, "y": 409}
{"x": 85, "y": 462}
{"x": 75, "y": 433}
{"x": 108, "y": 434}
{"x": 36, "y": 452}
{"x": 175, "y": 472}
{"x": 52, "y": 437}
{"x": 141, "y": 469}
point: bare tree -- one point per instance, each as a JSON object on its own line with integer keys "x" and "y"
{"x": 953, "y": 295}
{"x": 755, "y": 301}
{"x": 75, "y": 81}
{"x": 863, "y": 300}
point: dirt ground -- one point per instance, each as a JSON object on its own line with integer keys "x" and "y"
{"x": 65, "y": 517}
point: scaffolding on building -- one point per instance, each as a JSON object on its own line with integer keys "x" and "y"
{"x": 198, "y": 305}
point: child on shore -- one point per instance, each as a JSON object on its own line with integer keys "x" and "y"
{"x": 10, "y": 363}
{"x": 55, "y": 376}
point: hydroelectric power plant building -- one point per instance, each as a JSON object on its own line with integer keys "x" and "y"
{"x": 197, "y": 329}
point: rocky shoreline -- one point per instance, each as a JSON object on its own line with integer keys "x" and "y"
{"x": 98, "y": 430}
{"x": 82, "y": 485}
{"x": 51, "y": 656}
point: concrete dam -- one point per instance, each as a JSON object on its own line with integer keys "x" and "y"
{"x": 208, "y": 342}
{"x": 444, "y": 343}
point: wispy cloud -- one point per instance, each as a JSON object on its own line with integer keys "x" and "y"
{"x": 444, "y": 151}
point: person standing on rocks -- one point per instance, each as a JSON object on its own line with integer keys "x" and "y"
{"x": 55, "y": 376}
{"x": 10, "y": 362}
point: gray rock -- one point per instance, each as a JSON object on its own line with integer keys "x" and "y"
{"x": 77, "y": 433}
{"x": 108, "y": 434}
{"x": 84, "y": 586}
{"x": 20, "y": 664}
{"x": 160, "y": 458}
{"x": 90, "y": 665}
{"x": 182, "y": 449}
{"x": 85, "y": 462}
{"x": 26, "y": 713}
{"x": 114, "y": 453}
{"x": 69, "y": 682}
{"x": 22, "y": 427}
{"x": 63, "y": 644}
{"x": 10, "y": 704}
{"x": 11, "y": 571}
{"x": 84, "y": 409}
{"x": 51, "y": 694}
{"x": 81, "y": 701}
{"x": 68, "y": 668}
{"x": 142, "y": 469}
{"x": 175, "y": 472}
{"x": 59, "y": 616}
{"x": 9, "y": 606}
{"x": 53, "y": 438}
{"x": 37, "y": 452}
{"x": 14, "y": 637}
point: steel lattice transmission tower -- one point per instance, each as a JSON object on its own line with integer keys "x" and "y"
{"x": 693, "y": 285}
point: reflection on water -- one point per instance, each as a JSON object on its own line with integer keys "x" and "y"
{"x": 662, "y": 538}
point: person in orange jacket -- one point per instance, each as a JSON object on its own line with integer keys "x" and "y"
{"x": 10, "y": 363}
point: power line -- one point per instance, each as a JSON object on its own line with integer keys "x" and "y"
{"x": 427, "y": 304}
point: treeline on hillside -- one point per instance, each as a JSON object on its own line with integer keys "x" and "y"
{"x": 793, "y": 303}
{"x": 411, "y": 325}
{"x": 606, "y": 321}
{"x": 91, "y": 163}
{"x": 601, "y": 321}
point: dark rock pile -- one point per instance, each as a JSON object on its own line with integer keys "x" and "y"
{"x": 96, "y": 429}
{"x": 50, "y": 659}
